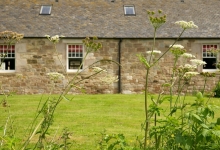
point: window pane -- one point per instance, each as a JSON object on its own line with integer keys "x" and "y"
{"x": 211, "y": 63}
{"x": 75, "y": 54}
{"x": 8, "y": 64}
{"x": 8, "y": 57}
{"x": 75, "y": 63}
{"x": 129, "y": 10}
{"x": 45, "y": 10}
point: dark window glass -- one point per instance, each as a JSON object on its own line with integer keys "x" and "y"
{"x": 45, "y": 10}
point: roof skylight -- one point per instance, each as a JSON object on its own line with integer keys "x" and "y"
{"x": 129, "y": 10}
{"x": 45, "y": 10}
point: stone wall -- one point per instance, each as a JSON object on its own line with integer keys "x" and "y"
{"x": 36, "y": 57}
{"x": 133, "y": 73}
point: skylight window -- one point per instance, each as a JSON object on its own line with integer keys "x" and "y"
{"x": 45, "y": 10}
{"x": 129, "y": 10}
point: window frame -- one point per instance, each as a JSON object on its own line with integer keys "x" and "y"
{"x": 41, "y": 10}
{"x": 129, "y": 6}
{"x": 80, "y": 57}
{"x": 13, "y": 48}
{"x": 216, "y": 57}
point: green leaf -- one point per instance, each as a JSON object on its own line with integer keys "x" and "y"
{"x": 205, "y": 132}
{"x": 199, "y": 95}
{"x": 143, "y": 60}
{"x": 166, "y": 85}
{"x": 197, "y": 118}
{"x": 217, "y": 133}
{"x": 204, "y": 126}
{"x": 65, "y": 98}
{"x": 218, "y": 121}
{"x": 166, "y": 98}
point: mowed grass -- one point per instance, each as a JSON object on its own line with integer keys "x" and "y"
{"x": 86, "y": 116}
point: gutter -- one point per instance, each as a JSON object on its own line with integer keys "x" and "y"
{"x": 147, "y": 38}
{"x": 119, "y": 66}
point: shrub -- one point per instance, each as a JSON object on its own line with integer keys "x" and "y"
{"x": 217, "y": 90}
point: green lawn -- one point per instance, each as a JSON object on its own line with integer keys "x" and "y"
{"x": 86, "y": 116}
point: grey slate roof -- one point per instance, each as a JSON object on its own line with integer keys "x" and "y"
{"x": 103, "y": 18}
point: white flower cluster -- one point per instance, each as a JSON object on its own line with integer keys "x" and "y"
{"x": 55, "y": 76}
{"x": 190, "y": 74}
{"x": 54, "y": 39}
{"x": 177, "y": 46}
{"x": 188, "y": 66}
{"x": 188, "y": 55}
{"x": 198, "y": 62}
{"x": 186, "y": 25}
{"x": 98, "y": 69}
{"x": 109, "y": 79}
{"x": 154, "y": 52}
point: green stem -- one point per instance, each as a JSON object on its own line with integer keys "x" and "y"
{"x": 179, "y": 92}
{"x": 146, "y": 110}
{"x": 171, "y": 84}
{"x": 155, "y": 30}
{"x": 168, "y": 48}
{"x": 69, "y": 85}
{"x": 204, "y": 86}
{"x": 61, "y": 61}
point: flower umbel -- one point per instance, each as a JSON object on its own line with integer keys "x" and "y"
{"x": 208, "y": 74}
{"x": 154, "y": 52}
{"x": 177, "y": 46}
{"x": 185, "y": 68}
{"x": 54, "y": 39}
{"x": 177, "y": 50}
{"x": 156, "y": 21}
{"x": 10, "y": 37}
{"x": 55, "y": 76}
{"x": 198, "y": 62}
{"x": 188, "y": 55}
{"x": 109, "y": 79}
{"x": 91, "y": 45}
{"x": 186, "y": 25}
{"x": 190, "y": 74}
{"x": 189, "y": 67}
{"x": 98, "y": 69}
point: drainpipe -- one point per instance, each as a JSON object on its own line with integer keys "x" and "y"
{"x": 119, "y": 66}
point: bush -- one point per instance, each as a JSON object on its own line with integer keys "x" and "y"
{"x": 217, "y": 90}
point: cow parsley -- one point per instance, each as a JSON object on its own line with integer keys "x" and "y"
{"x": 186, "y": 25}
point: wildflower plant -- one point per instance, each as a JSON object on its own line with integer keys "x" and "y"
{"x": 8, "y": 140}
{"x": 185, "y": 129}
{"x": 54, "y": 39}
{"x": 10, "y": 37}
{"x": 157, "y": 20}
{"x": 186, "y": 25}
{"x": 55, "y": 76}
{"x": 154, "y": 52}
{"x": 177, "y": 50}
{"x": 197, "y": 62}
{"x": 49, "y": 106}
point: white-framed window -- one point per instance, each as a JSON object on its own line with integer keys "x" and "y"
{"x": 209, "y": 57}
{"x": 45, "y": 10}
{"x": 129, "y": 10}
{"x": 74, "y": 57}
{"x": 7, "y": 58}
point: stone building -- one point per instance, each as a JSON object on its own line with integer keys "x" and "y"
{"x": 122, "y": 27}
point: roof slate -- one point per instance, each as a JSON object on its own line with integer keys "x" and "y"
{"x": 106, "y": 19}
